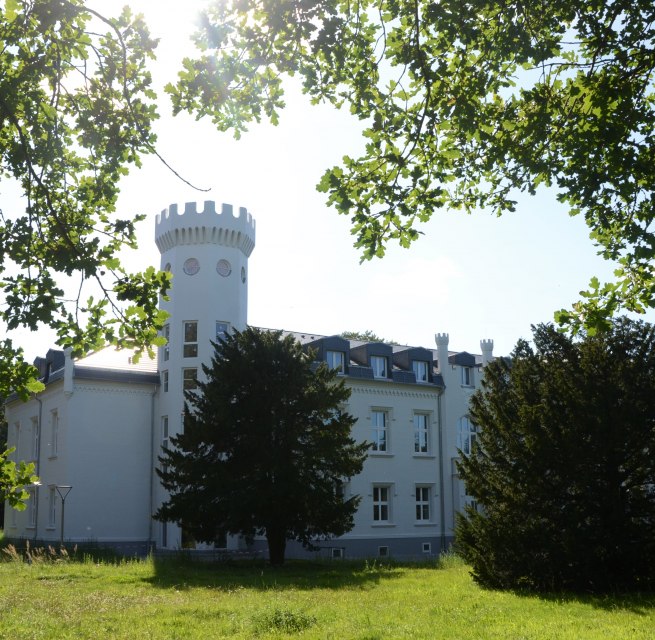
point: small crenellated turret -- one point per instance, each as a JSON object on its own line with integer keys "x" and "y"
{"x": 205, "y": 227}
{"x": 442, "y": 350}
{"x": 487, "y": 347}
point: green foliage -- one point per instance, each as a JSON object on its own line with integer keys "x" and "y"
{"x": 564, "y": 464}
{"x": 283, "y": 621}
{"x": 364, "y": 336}
{"x": 76, "y": 110}
{"x": 462, "y": 105}
{"x": 13, "y": 478}
{"x": 264, "y": 448}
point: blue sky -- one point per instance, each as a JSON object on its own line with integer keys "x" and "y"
{"x": 471, "y": 276}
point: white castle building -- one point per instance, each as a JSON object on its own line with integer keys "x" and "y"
{"x": 101, "y": 421}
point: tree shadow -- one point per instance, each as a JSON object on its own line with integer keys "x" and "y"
{"x": 182, "y": 573}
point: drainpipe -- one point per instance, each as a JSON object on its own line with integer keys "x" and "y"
{"x": 442, "y": 500}
{"x": 38, "y": 469}
{"x": 152, "y": 467}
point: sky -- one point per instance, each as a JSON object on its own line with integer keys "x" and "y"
{"x": 471, "y": 276}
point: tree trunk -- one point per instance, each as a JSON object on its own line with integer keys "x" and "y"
{"x": 277, "y": 543}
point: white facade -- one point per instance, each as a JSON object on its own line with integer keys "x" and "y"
{"x": 101, "y": 421}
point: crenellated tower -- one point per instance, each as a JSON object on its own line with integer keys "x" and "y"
{"x": 207, "y": 254}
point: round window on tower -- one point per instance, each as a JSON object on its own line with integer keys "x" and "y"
{"x": 243, "y": 274}
{"x": 224, "y": 268}
{"x": 191, "y": 266}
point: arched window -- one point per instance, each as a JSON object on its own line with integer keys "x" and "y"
{"x": 466, "y": 435}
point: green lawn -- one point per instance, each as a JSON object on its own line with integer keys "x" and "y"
{"x": 146, "y": 599}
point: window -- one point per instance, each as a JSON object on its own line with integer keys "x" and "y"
{"x": 379, "y": 430}
{"x": 337, "y": 553}
{"x": 381, "y": 504}
{"x": 164, "y": 432}
{"x": 379, "y": 366}
{"x": 336, "y": 360}
{"x": 189, "y": 379}
{"x": 54, "y": 433}
{"x": 427, "y": 547}
{"x": 52, "y": 506}
{"x": 164, "y": 381}
{"x": 166, "y": 349}
{"x": 421, "y": 433}
{"x": 35, "y": 438}
{"x": 383, "y": 552}
{"x": 420, "y": 370}
{"x": 222, "y": 329}
{"x": 422, "y": 504}
{"x": 17, "y": 452}
{"x": 190, "y": 349}
{"x": 467, "y": 376}
{"x": 31, "y": 508}
{"x": 467, "y": 433}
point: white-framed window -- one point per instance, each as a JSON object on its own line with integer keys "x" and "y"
{"x": 422, "y": 503}
{"x": 36, "y": 438}
{"x": 379, "y": 430}
{"x": 52, "y": 507}
{"x": 383, "y": 552}
{"x": 189, "y": 379}
{"x": 54, "y": 433}
{"x": 164, "y": 432}
{"x": 17, "y": 441}
{"x": 381, "y": 503}
{"x": 421, "y": 433}
{"x": 420, "y": 368}
{"x": 467, "y": 376}
{"x": 190, "y": 348}
{"x": 467, "y": 434}
{"x": 166, "y": 331}
{"x": 31, "y": 507}
{"x": 164, "y": 380}
{"x": 379, "y": 366}
{"x": 426, "y": 547}
{"x": 336, "y": 360}
{"x": 336, "y": 553}
{"x": 222, "y": 329}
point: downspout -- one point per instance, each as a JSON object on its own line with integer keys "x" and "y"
{"x": 38, "y": 470}
{"x": 152, "y": 468}
{"x": 442, "y": 499}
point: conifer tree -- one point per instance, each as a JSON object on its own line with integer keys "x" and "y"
{"x": 564, "y": 464}
{"x": 265, "y": 447}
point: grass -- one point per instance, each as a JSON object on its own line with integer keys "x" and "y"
{"x": 56, "y": 597}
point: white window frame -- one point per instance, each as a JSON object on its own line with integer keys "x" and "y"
{"x": 36, "y": 438}
{"x": 467, "y": 376}
{"x": 190, "y": 341}
{"x": 52, "y": 507}
{"x": 336, "y": 360}
{"x": 420, "y": 368}
{"x": 423, "y": 498}
{"x": 421, "y": 433}
{"x": 31, "y": 507}
{"x": 187, "y": 384}
{"x": 164, "y": 432}
{"x": 166, "y": 351}
{"x": 381, "y": 503}
{"x": 222, "y": 329}
{"x": 54, "y": 433}
{"x": 467, "y": 435}
{"x": 380, "y": 367}
{"x": 336, "y": 553}
{"x": 164, "y": 380}
{"x": 17, "y": 441}
{"x": 380, "y": 430}
{"x": 426, "y": 547}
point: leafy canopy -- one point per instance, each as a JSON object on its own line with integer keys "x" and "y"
{"x": 265, "y": 447}
{"x": 564, "y": 464}
{"x": 463, "y": 105}
{"x": 76, "y": 110}
{"x": 13, "y": 479}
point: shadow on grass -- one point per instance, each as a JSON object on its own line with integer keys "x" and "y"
{"x": 182, "y": 573}
{"x": 638, "y": 602}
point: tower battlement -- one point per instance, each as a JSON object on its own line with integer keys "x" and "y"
{"x": 205, "y": 227}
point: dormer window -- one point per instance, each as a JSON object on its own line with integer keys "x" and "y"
{"x": 420, "y": 368}
{"x": 467, "y": 376}
{"x": 379, "y": 366}
{"x": 336, "y": 360}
